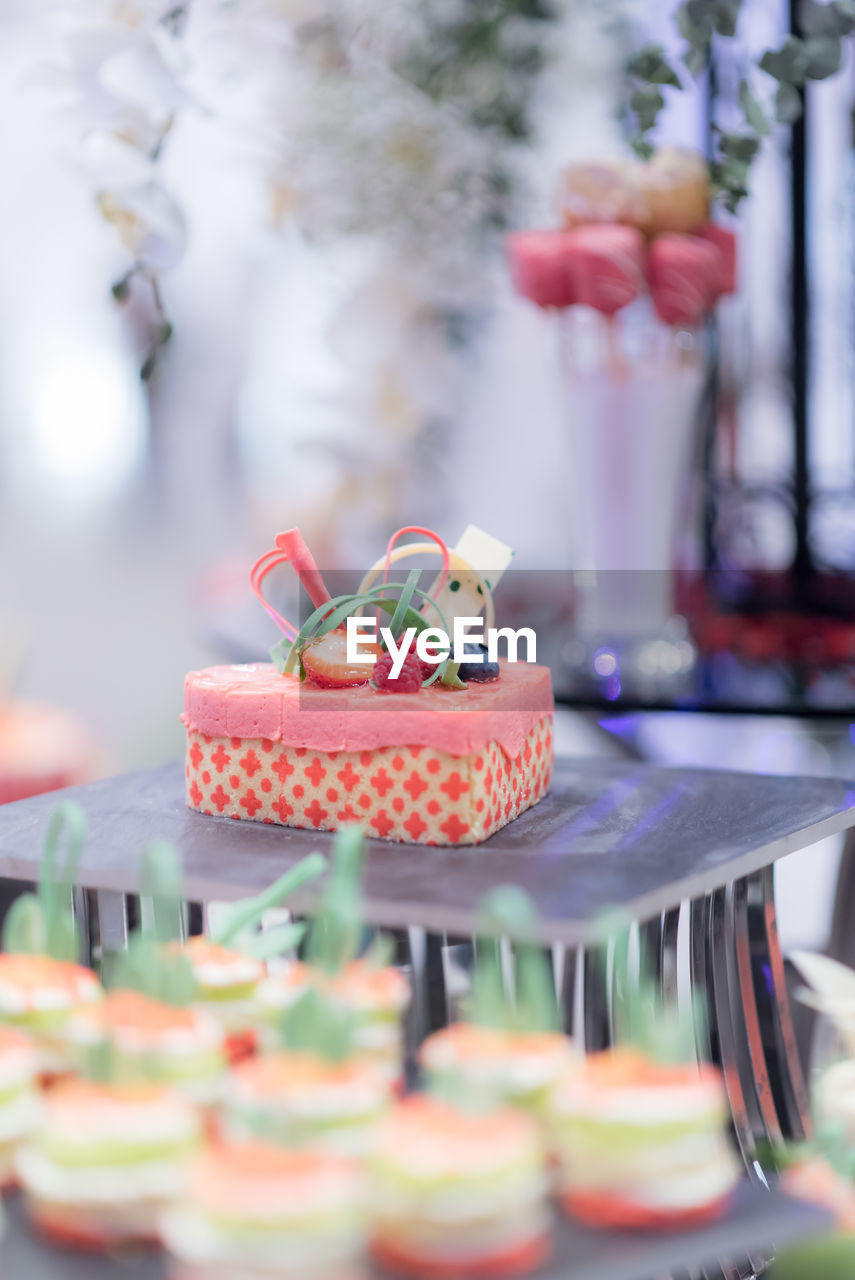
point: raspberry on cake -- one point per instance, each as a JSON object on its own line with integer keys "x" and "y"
{"x": 315, "y": 741}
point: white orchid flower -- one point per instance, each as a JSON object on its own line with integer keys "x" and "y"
{"x": 114, "y": 160}
{"x": 149, "y": 222}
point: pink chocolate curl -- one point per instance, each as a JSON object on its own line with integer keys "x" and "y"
{"x": 606, "y": 266}
{"x": 682, "y": 274}
{"x": 725, "y": 241}
{"x": 302, "y": 561}
{"x": 538, "y": 262}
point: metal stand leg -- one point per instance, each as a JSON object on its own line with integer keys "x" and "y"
{"x": 711, "y": 966}
{"x": 783, "y": 1061}
{"x": 113, "y": 920}
{"x": 595, "y": 1001}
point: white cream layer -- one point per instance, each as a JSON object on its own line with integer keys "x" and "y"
{"x": 116, "y": 1184}
{"x": 192, "y": 1237}
{"x": 576, "y": 1096}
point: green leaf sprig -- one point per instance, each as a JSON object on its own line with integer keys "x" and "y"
{"x": 149, "y": 964}
{"x": 154, "y": 970}
{"x": 237, "y": 926}
{"x": 649, "y": 71}
{"x": 153, "y": 967}
{"x": 316, "y": 1023}
{"x": 530, "y": 1006}
{"x": 645, "y": 1019}
{"x": 320, "y": 1026}
{"x": 42, "y": 923}
{"x": 336, "y": 932}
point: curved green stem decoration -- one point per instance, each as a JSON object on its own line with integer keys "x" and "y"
{"x": 42, "y": 923}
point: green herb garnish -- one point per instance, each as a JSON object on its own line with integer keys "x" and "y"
{"x": 42, "y": 923}
{"x": 336, "y": 931}
{"x": 319, "y": 1025}
{"x": 317, "y": 1022}
{"x": 236, "y": 927}
{"x": 527, "y": 1003}
{"x": 287, "y": 655}
{"x": 645, "y": 1018}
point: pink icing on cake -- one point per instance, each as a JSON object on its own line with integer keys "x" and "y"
{"x": 255, "y": 701}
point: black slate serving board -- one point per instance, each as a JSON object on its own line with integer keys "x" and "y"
{"x": 608, "y": 834}
{"x": 758, "y": 1220}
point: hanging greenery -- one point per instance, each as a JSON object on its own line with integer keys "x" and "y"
{"x": 769, "y": 93}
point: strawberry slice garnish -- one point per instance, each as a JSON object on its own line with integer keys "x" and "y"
{"x": 326, "y": 664}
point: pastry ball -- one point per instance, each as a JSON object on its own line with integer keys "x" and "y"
{"x": 668, "y": 193}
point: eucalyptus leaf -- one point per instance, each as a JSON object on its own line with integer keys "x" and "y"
{"x": 788, "y": 104}
{"x": 646, "y": 102}
{"x": 827, "y": 19}
{"x": 754, "y": 114}
{"x": 788, "y": 64}
{"x": 698, "y": 21}
{"x": 642, "y": 148}
{"x": 695, "y": 60}
{"x": 695, "y": 20}
{"x": 726, "y": 16}
{"x": 650, "y": 64}
{"x": 824, "y": 55}
{"x": 738, "y": 147}
{"x": 845, "y": 10}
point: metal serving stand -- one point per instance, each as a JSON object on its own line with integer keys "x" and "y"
{"x": 686, "y": 853}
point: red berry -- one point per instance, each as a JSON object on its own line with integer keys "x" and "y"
{"x": 408, "y": 680}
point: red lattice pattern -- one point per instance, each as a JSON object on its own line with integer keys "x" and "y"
{"x": 414, "y": 794}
